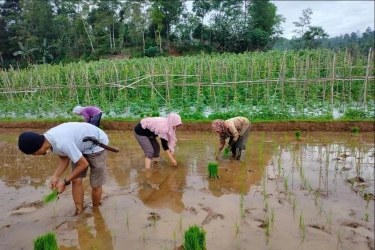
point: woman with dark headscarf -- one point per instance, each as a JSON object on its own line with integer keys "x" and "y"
{"x": 237, "y": 129}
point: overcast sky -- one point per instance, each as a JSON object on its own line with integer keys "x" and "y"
{"x": 336, "y": 17}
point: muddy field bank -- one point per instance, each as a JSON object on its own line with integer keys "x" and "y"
{"x": 337, "y": 126}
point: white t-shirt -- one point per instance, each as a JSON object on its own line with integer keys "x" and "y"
{"x": 66, "y": 139}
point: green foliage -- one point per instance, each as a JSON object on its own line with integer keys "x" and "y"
{"x": 355, "y": 130}
{"x": 46, "y": 242}
{"x": 213, "y": 170}
{"x": 195, "y": 238}
{"x": 152, "y": 51}
{"x": 51, "y": 197}
{"x": 355, "y": 114}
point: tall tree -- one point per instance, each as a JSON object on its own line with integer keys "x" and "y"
{"x": 304, "y": 22}
{"x": 264, "y": 26}
{"x": 201, "y": 8}
{"x": 169, "y": 12}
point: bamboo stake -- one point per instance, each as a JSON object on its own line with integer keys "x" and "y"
{"x": 333, "y": 79}
{"x": 366, "y": 80}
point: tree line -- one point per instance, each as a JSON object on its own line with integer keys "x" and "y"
{"x": 54, "y": 31}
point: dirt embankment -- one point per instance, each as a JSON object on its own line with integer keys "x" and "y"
{"x": 337, "y": 126}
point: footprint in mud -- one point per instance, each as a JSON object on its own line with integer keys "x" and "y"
{"x": 211, "y": 215}
{"x": 354, "y": 224}
{"x": 154, "y": 216}
{"x": 319, "y": 227}
{"x": 192, "y": 210}
{"x": 263, "y": 223}
{"x": 27, "y": 208}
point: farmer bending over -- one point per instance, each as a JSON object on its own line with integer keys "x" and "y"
{"x": 237, "y": 129}
{"x": 65, "y": 140}
{"x": 149, "y": 129}
{"x": 90, "y": 113}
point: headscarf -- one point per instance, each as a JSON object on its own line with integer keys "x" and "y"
{"x": 218, "y": 125}
{"x": 30, "y": 142}
{"x": 163, "y": 127}
{"x": 77, "y": 109}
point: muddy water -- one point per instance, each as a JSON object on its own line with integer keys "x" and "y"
{"x": 300, "y": 188}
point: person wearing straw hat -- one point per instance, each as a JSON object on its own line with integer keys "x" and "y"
{"x": 238, "y": 131}
{"x": 91, "y": 114}
{"x": 67, "y": 141}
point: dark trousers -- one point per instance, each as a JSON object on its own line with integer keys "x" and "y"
{"x": 95, "y": 120}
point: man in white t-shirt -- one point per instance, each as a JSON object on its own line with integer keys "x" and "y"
{"x": 66, "y": 140}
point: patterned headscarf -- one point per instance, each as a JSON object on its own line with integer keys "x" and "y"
{"x": 163, "y": 127}
{"x": 218, "y": 125}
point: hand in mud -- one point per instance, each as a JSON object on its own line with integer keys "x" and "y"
{"x": 174, "y": 162}
{"x": 53, "y": 182}
{"x": 60, "y": 187}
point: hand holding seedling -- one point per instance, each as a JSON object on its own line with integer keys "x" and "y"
{"x": 53, "y": 182}
{"x": 60, "y": 187}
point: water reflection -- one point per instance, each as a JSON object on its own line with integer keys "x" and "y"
{"x": 97, "y": 236}
{"x": 162, "y": 188}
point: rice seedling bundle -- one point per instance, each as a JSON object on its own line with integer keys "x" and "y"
{"x": 226, "y": 152}
{"x": 51, "y": 197}
{"x": 46, "y": 242}
{"x": 213, "y": 171}
{"x": 195, "y": 238}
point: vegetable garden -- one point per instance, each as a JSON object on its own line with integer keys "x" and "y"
{"x": 275, "y": 85}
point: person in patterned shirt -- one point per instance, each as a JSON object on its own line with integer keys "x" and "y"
{"x": 237, "y": 129}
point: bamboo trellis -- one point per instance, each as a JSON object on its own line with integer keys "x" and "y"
{"x": 330, "y": 78}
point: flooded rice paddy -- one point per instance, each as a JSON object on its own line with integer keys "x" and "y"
{"x": 316, "y": 193}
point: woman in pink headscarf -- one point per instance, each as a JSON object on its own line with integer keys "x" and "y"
{"x": 237, "y": 129}
{"x": 149, "y": 129}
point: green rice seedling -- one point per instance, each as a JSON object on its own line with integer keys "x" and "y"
{"x": 266, "y": 206}
{"x": 174, "y": 239}
{"x": 329, "y": 219}
{"x": 368, "y": 198}
{"x": 294, "y": 206}
{"x": 316, "y": 196}
{"x": 290, "y": 196}
{"x": 242, "y": 210}
{"x": 286, "y": 186}
{"x": 279, "y": 166}
{"x": 144, "y": 237}
{"x": 267, "y": 230}
{"x": 51, "y": 197}
{"x": 180, "y": 223}
{"x": 272, "y": 217}
{"x": 127, "y": 220}
{"x": 46, "y": 242}
{"x": 301, "y": 220}
{"x": 367, "y": 215}
{"x": 236, "y": 230}
{"x": 298, "y": 135}
{"x": 355, "y": 130}
{"x": 226, "y": 153}
{"x": 213, "y": 171}
{"x": 340, "y": 235}
{"x": 194, "y": 238}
